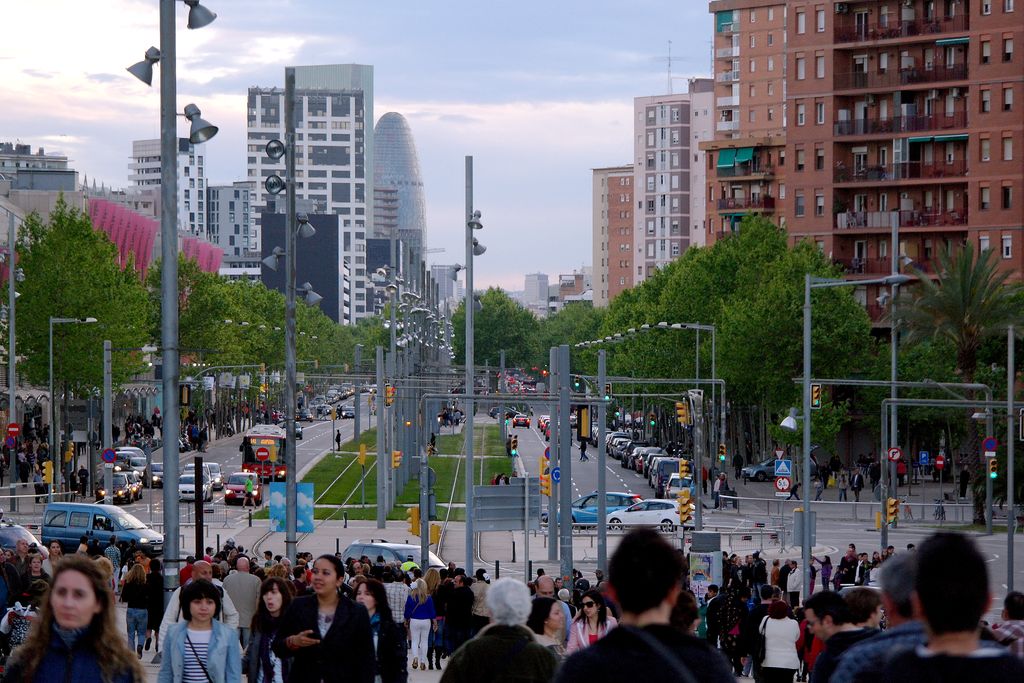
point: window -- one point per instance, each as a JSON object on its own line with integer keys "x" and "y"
{"x": 771, "y": 63}
{"x": 771, "y": 14}
{"x": 750, "y": 115}
{"x": 1007, "y": 5}
{"x": 1007, "y": 246}
{"x": 1007, "y": 49}
{"x": 753, "y": 16}
{"x": 752, "y": 92}
{"x": 753, "y": 65}
{"x": 986, "y": 7}
{"x": 983, "y": 243}
{"x": 801, "y": 22}
{"x": 771, "y": 39}
{"x": 801, "y": 115}
{"x": 80, "y": 520}
{"x": 782, "y": 190}
{"x": 753, "y": 42}
{"x": 798, "y": 205}
{"x": 819, "y": 113}
{"x": 771, "y": 114}
{"x": 985, "y": 198}
{"x": 986, "y": 101}
{"x": 819, "y": 204}
{"x": 56, "y": 518}
{"x": 1008, "y": 98}
{"x": 1007, "y": 149}
{"x": 819, "y": 159}
{"x": 819, "y": 21}
{"x": 800, "y": 161}
{"x": 1007, "y": 197}
{"x": 819, "y": 66}
{"x": 986, "y": 51}
{"x": 986, "y": 149}
{"x": 801, "y": 68}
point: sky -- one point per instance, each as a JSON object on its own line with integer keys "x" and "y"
{"x": 539, "y": 93}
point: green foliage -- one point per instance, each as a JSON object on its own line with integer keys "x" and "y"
{"x": 502, "y": 324}
{"x": 71, "y": 271}
{"x": 573, "y": 324}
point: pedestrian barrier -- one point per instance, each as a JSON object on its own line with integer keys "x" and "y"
{"x": 910, "y": 511}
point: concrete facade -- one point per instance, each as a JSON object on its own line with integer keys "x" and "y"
{"x": 144, "y": 178}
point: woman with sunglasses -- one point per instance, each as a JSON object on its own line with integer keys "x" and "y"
{"x": 592, "y": 623}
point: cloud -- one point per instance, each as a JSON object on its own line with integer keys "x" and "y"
{"x": 277, "y": 499}
{"x": 304, "y": 501}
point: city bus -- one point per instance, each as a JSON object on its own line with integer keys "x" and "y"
{"x": 263, "y": 449}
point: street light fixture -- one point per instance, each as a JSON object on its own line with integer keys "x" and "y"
{"x": 144, "y": 70}
{"x": 201, "y": 129}
{"x": 198, "y": 16}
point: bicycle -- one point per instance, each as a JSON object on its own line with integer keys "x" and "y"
{"x": 940, "y": 511}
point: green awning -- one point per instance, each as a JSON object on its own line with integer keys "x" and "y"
{"x": 951, "y": 138}
{"x": 723, "y": 20}
{"x": 953, "y": 41}
{"x": 924, "y": 139}
{"x": 726, "y": 158}
{"x": 744, "y": 155}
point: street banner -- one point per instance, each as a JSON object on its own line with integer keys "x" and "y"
{"x": 304, "y": 516}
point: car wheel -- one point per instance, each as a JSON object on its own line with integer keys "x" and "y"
{"x": 761, "y": 476}
{"x": 615, "y": 523}
{"x": 668, "y": 525}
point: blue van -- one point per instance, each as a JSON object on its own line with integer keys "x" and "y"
{"x": 69, "y": 522}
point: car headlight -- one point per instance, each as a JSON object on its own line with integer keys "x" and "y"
{"x": 143, "y": 540}
{"x": 229, "y": 493}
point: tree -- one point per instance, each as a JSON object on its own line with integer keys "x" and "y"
{"x": 71, "y": 271}
{"x": 571, "y": 325}
{"x": 502, "y": 324}
{"x": 968, "y": 303}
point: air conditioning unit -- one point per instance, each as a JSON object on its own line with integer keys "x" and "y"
{"x": 933, "y": 94}
{"x": 955, "y": 92}
{"x": 842, "y": 8}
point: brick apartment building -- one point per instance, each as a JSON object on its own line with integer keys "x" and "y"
{"x": 905, "y": 108}
{"x": 613, "y": 232}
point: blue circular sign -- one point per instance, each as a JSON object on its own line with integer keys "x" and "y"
{"x": 556, "y": 474}
{"x": 990, "y": 443}
{"x": 10, "y": 442}
{"x": 109, "y": 455}
{"x": 547, "y": 452}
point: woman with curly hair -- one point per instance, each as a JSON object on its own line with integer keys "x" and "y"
{"x": 76, "y": 633}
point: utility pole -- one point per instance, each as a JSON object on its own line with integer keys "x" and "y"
{"x": 291, "y": 487}
{"x": 470, "y": 383}
{"x": 382, "y": 466}
{"x": 555, "y": 427}
{"x": 1011, "y": 437}
{"x": 565, "y": 463}
{"x": 602, "y": 477}
{"x": 358, "y": 361}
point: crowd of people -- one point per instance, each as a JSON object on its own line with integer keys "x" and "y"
{"x": 331, "y": 619}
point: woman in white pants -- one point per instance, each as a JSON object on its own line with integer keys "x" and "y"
{"x": 419, "y": 615}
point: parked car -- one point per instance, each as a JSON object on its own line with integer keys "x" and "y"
{"x": 187, "y": 488}
{"x": 68, "y": 522}
{"x": 658, "y": 512}
{"x": 305, "y": 415}
{"x": 234, "y": 488}
{"x": 391, "y": 552}
{"x": 138, "y": 464}
{"x": 584, "y": 508}
{"x": 675, "y": 485}
{"x": 11, "y": 533}
{"x": 762, "y": 471}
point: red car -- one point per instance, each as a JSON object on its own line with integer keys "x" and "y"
{"x": 521, "y": 420}
{"x": 234, "y": 489}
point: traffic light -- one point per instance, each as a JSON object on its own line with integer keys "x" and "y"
{"x": 389, "y": 394}
{"x": 892, "y": 510}
{"x": 993, "y": 468}
{"x": 685, "y": 508}
{"x": 684, "y": 468}
{"x": 435, "y": 534}
{"x": 683, "y": 412}
{"x": 184, "y": 394}
{"x": 576, "y": 383}
{"x": 48, "y": 472}
{"x": 412, "y": 516}
{"x": 618, "y": 413}
{"x": 545, "y": 478}
{"x": 815, "y": 396}
{"x": 721, "y": 452}
{"x": 396, "y": 459}
{"x": 608, "y": 391}
{"x": 515, "y": 446}
{"x": 652, "y": 420}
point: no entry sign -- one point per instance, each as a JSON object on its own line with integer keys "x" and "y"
{"x": 940, "y": 461}
{"x": 14, "y": 429}
{"x": 263, "y": 454}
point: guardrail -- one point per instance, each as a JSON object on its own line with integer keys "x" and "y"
{"x": 910, "y": 511}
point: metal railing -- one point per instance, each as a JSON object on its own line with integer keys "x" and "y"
{"x": 851, "y": 32}
{"x": 894, "y": 78}
{"x": 759, "y": 202}
{"x": 901, "y": 124}
{"x": 741, "y": 170}
{"x": 910, "y": 510}
{"x": 872, "y": 220}
{"x": 907, "y": 170}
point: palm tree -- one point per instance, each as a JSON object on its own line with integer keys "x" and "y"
{"x": 969, "y": 303}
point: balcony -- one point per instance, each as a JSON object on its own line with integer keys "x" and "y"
{"x": 908, "y": 170}
{"x": 728, "y": 77}
{"x": 901, "y": 124}
{"x": 731, "y": 101}
{"x": 881, "y": 220}
{"x": 882, "y": 266}
{"x": 747, "y": 204}
{"x": 887, "y": 80}
{"x": 727, "y": 52}
{"x": 727, "y": 126}
{"x": 741, "y": 170}
{"x": 849, "y": 32}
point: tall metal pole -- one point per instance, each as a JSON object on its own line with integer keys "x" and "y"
{"x": 53, "y": 403}
{"x": 12, "y": 368}
{"x": 108, "y": 441}
{"x": 424, "y": 504}
{"x": 357, "y": 362}
{"x": 1011, "y": 517}
{"x": 553, "y": 450}
{"x": 805, "y": 542}
{"x": 565, "y": 464}
{"x": 291, "y": 488}
{"x": 501, "y": 391}
{"x": 894, "y": 428}
{"x": 382, "y": 466}
{"x": 470, "y": 384}
{"x": 602, "y": 466}
{"x": 168, "y": 294}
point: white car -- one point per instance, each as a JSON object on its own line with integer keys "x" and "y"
{"x": 675, "y": 485}
{"x": 216, "y": 476}
{"x": 659, "y": 512}
{"x": 187, "y": 488}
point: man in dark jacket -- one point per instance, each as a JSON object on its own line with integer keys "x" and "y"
{"x": 750, "y": 627}
{"x": 459, "y": 618}
{"x": 829, "y": 618}
{"x": 760, "y": 573}
{"x": 646, "y": 574}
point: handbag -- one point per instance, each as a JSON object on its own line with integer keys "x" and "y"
{"x": 198, "y": 661}
{"x": 760, "y": 646}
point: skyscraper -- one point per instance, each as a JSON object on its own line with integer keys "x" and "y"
{"x": 144, "y": 176}
{"x": 398, "y": 184}
{"x": 334, "y": 164}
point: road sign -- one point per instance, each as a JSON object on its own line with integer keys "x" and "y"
{"x": 989, "y": 444}
{"x": 547, "y": 452}
{"x": 783, "y": 468}
{"x": 10, "y": 442}
{"x": 109, "y": 455}
{"x": 556, "y": 474}
{"x": 990, "y": 454}
{"x": 894, "y": 454}
{"x": 507, "y": 508}
{"x": 782, "y": 485}
{"x": 940, "y": 461}
{"x": 263, "y": 454}
{"x": 779, "y": 454}
{"x": 923, "y": 457}
{"x": 14, "y": 429}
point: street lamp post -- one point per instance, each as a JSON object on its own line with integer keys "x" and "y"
{"x": 472, "y": 249}
{"x": 813, "y": 282}
{"x": 55, "y": 456}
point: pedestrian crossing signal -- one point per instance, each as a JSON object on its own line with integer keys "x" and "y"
{"x": 608, "y": 391}
{"x": 396, "y": 459}
{"x": 48, "y": 472}
{"x": 545, "y": 478}
{"x": 412, "y": 516}
{"x": 651, "y": 418}
{"x": 721, "y": 452}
